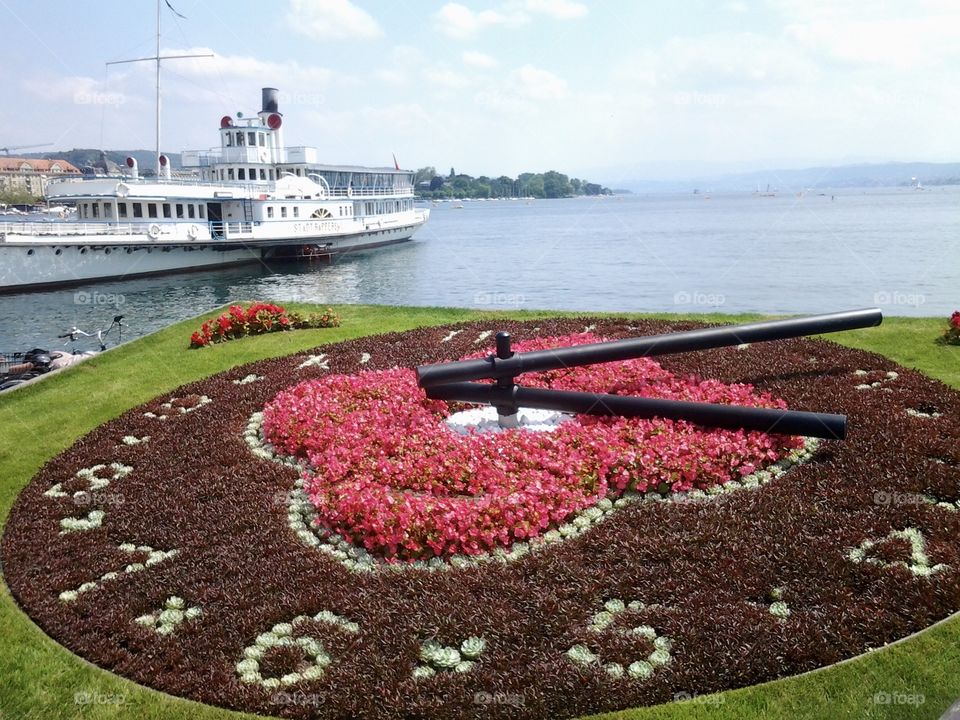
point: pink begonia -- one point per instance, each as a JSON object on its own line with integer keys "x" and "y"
{"x": 388, "y": 475}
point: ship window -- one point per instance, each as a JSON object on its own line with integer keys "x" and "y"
{"x": 151, "y": 210}
{"x": 263, "y": 174}
{"x": 96, "y": 210}
{"x": 269, "y": 211}
{"x": 296, "y": 211}
{"x": 202, "y": 212}
{"x": 283, "y": 211}
{"x": 179, "y": 210}
{"x": 321, "y": 214}
{"x": 107, "y": 210}
{"x": 230, "y": 174}
{"x": 191, "y": 212}
{"x": 262, "y": 138}
{"x": 121, "y": 209}
{"x": 239, "y": 138}
{"x": 229, "y": 139}
{"x": 271, "y": 173}
{"x": 166, "y": 210}
{"x": 252, "y": 139}
{"x": 137, "y": 210}
{"x": 242, "y": 174}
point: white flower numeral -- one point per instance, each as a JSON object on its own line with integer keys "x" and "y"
{"x": 153, "y": 557}
{"x": 168, "y": 408}
{"x": 319, "y": 361}
{"x": 281, "y": 635}
{"x": 602, "y": 622}
{"x": 165, "y": 620}
{"x": 919, "y": 562}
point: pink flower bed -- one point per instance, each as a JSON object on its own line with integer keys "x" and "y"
{"x": 388, "y": 475}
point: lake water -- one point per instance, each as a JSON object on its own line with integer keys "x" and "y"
{"x": 894, "y": 248}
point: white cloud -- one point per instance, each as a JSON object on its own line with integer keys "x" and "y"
{"x": 478, "y": 60}
{"x": 331, "y": 20}
{"x": 459, "y": 21}
{"x": 736, "y": 6}
{"x": 538, "y": 84}
{"x": 898, "y": 36}
{"x": 561, "y": 9}
{"x": 444, "y": 77}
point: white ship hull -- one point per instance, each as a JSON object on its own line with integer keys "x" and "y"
{"x": 74, "y": 260}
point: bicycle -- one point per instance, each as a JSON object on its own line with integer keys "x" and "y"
{"x": 18, "y": 368}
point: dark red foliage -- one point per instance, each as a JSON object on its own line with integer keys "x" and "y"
{"x": 709, "y": 566}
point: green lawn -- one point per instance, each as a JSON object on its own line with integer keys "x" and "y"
{"x": 39, "y": 679}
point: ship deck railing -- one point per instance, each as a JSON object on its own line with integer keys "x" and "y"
{"x": 260, "y": 186}
{"x": 76, "y": 229}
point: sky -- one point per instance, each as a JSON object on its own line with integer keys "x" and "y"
{"x": 605, "y": 90}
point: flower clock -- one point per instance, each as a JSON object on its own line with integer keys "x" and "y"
{"x": 309, "y": 536}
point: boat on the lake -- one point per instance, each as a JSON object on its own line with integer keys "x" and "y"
{"x": 251, "y": 200}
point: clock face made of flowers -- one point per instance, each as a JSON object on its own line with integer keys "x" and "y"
{"x": 309, "y": 537}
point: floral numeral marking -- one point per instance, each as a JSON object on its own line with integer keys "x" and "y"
{"x": 876, "y": 384}
{"x": 248, "y": 379}
{"x": 319, "y": 361}
{"x": 281, "y": 635}
{"x": 450, "y": 336}
{"x": 919, "y": 562}
{"x": 171, "y": 407}
{"x": 778, "y": 607}
{"x": 96, "y": 478}
{"x": 153, "y": 557}
{"x": 440, "y": 658}
{"x": 134, "y": 440}
{"x": 483, "y": 336}
{"x": 602, "y": 622}
{"x": 923, "y": 414}
{"x": 365, "y": 358}
{"x": 165, "y": 620}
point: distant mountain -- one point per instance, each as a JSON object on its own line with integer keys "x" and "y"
{"x": 865, "y": 175}
{"x": 85, "y": 157}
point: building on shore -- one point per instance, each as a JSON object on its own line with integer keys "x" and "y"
{"x": 29, "y": 175}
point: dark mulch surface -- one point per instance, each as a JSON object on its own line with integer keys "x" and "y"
{"x": 709, "y": 566}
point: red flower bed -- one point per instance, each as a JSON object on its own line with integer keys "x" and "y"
{"x": 257, "y": 319}
{"x": 388, "y": 475}
{"x": 952, "y": 334}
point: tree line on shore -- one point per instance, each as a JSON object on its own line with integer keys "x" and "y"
{"x": 551, "y": 184}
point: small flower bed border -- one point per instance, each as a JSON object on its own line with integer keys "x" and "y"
{"x": 257, "y": 319}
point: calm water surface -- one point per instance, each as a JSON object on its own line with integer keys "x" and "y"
{"x": 894, "y": 248}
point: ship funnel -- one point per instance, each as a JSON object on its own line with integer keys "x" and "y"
{"x": 271, "y": 97}
{"x": 134, "y": 170}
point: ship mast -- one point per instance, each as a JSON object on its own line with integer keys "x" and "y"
{"x": 158, "y": 57}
